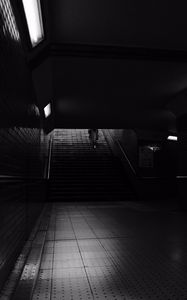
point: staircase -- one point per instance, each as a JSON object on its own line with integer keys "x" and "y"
{"x": 80, "y": 173}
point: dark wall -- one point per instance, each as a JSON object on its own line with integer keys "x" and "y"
{"x": 22, "y": 145}
{"x": 163, "y": 158}
{"x": 155, "y": 177}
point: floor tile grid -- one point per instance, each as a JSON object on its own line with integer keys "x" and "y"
{"x": 69, "y": 282}
{"x": 108, "y": 226}
{"x": 53, "y": 292}
{"x": 122, "y": 264}
{"x": 44, "y": 282}
{"x": 74, "y": 229}
{"x": 146, "y": 279}
{"x": 153, "y": 254}
{"x": 168, "y": 290}
{"x": 94, "y": 289}
{"x": 120, "y": 271}
{"x": 132, "y": 274}
{"x": 115, "y": 287}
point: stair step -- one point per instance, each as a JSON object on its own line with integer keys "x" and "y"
{"x": 79, "y": 172}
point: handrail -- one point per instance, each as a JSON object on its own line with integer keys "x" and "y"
{"x": 131, "y": 166}
{"x": 135, "y": 173}
{"x": 123, "y": 151}
{"x": 49, "y": 157}
{"x": 46, "y": 172}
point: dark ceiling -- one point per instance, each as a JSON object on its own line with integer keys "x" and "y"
{"x": 114, "y": 64}
{"x": 146, "y": 23}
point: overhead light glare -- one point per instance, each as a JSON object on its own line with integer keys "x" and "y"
{"x": 33, "y": 15}
{"x": 172, "y": 138}
{"x": 47, "y": 110}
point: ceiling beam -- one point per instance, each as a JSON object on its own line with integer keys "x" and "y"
{"x": 117, "y": 52}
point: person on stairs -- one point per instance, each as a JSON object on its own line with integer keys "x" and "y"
{"x": 93, "y": 136}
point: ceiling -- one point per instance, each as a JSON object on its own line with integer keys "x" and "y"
{"x": 146, "y": 23}
{"x": 114, "y": 64}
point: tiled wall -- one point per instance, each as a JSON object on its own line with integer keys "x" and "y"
{"x": 22, "y": 144}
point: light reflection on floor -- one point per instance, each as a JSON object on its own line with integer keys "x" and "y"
{"x": 98, "y": 252}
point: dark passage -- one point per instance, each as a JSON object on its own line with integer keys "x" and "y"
{"x": 78, "y": 223}
{"x": 85, "y": 247}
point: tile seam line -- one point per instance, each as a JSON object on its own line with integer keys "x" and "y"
{"x": 110, "y": 256}
{"x": 82, "y": 259}
{"x": 51, "y": 285}
{"x": 35, "y": 281}
{"x": 35, "y": 229}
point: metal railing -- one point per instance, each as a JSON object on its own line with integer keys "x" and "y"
{"x": 49, "y": 157}
{"x": 126, "y": 157}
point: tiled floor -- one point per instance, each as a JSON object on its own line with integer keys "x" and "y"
{"x": 100, "y": 250}
{"x": 115, "y": 251}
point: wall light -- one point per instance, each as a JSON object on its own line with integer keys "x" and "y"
{"x": 33, "y": 15}
{"x": 154, "y": 148}
{"x": 172, "y": 138}
{"x": 47, "y": 110}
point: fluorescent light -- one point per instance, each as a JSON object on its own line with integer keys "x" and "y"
{"x": 172, "y": 138}
{"x": 47, "y": 110}
{"x": 33, "y": 15}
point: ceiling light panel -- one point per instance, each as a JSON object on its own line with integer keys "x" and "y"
{"x": 33, "y": 15}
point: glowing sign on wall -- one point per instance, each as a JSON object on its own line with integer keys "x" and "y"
{"x": 172, "y": 138}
